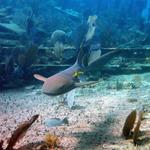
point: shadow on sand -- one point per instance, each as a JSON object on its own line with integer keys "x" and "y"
{"x": 100, "y": 135}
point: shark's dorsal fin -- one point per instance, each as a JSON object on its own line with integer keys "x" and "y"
{"x": 39, "y": 77}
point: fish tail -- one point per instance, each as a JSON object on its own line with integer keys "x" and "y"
{"x": 83, "y": 51}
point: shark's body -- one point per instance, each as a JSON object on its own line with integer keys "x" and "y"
{"x": 61, "y": 82}
{"x": 64, "y": 81}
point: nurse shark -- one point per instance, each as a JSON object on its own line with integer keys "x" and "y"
{"x": 65, "y": 81}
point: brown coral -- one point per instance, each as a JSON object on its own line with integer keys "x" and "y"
{"x": 51, "y": 140}
{"x": 20, "y": 132}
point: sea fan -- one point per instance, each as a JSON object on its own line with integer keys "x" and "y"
{"x": 129, "y": 124}
{"x": 137, "y": 129}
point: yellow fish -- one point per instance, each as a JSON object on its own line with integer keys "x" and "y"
{"x": 77, "y": 74}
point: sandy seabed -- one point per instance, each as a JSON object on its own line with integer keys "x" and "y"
{"x": 96, "y": 121}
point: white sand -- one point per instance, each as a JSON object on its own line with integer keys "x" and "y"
{"x": 95, "y": 124}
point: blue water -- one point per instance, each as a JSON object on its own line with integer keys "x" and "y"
{"x": 118, "y": 23}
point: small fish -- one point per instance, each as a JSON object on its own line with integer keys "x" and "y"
{"x": 78, "y": 74}
{"x": 53, "y": 122}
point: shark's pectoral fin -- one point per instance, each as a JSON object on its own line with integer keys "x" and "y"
{"x": 102, "y": 60}
{"x": 79, "y": 84}
{"x": 39, "y": 77}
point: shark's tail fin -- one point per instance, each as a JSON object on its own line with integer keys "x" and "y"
{"x": 83, "y": 51}
{"x": 39, "y": 77}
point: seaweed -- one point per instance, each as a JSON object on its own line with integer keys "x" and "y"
{"x": 19, "y": 133}
{"x": 50, "y": 141}
{"x": 129, "y": 124}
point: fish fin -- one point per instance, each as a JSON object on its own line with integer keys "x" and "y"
{"x": 102, "y": 60}
{"x": 79, "y": 84}
{"x": 65, "y": 120}
{"x": 84, "y": 48}
{"x": 67, "y": 86}
{"x": 39, "y": 77}
{"x": 94, "y": 55}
